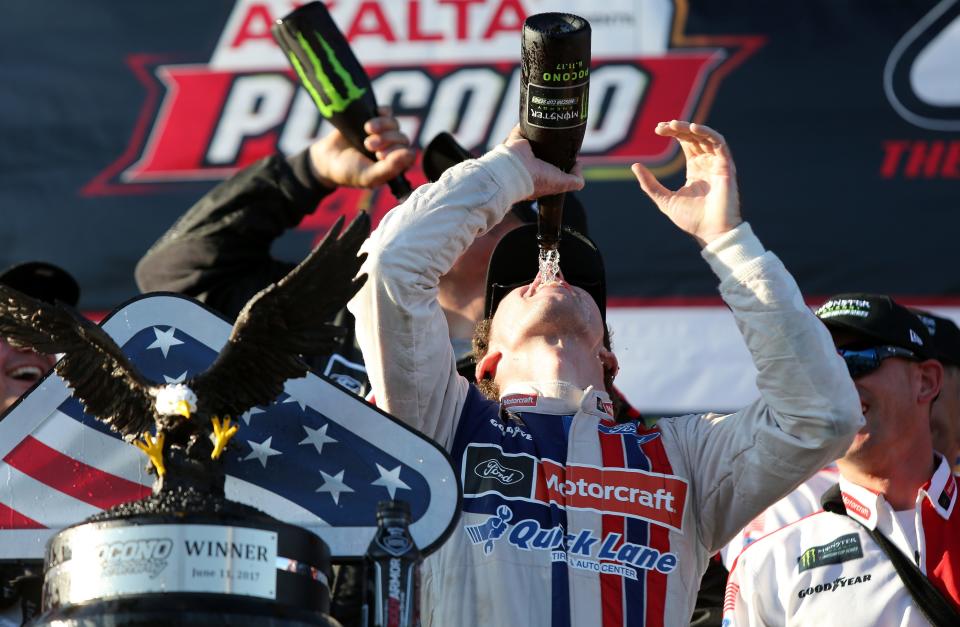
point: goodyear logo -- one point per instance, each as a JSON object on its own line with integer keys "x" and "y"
{"x": 846, "y": 547}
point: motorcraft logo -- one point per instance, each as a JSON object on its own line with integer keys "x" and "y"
{"x": 441, "y": 65}
{"x": 648, "y": 496}
{"x": 846, "y": 547}
{"x": 855, "y": 506}
{"x": 494, "y": 469}
{"x": 134, "y": 557}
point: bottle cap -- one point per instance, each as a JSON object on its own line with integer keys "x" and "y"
{"x": 393, "y": 509}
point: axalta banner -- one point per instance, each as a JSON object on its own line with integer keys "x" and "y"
{"x": 844, "y": 122}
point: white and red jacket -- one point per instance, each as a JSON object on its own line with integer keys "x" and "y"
{"x": 803, "y": 501}
{"x": 826, "y": 569}
{"x": 569, "y": 518}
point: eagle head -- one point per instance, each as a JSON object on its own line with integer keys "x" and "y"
{"x": 176, "y": 399}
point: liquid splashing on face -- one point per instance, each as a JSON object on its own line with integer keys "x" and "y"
{"x": 549, "y": 264}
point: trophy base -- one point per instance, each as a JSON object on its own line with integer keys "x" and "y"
{"x": 165, "y": 610}
{"x": 183, "y": 557}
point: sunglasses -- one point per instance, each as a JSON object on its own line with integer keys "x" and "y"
{"x": 864, "y": 361}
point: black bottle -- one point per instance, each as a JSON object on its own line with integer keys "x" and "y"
{"x": 554, "y": 90}
{"x": 331, "y": 74}
{"x": 393, "y": 569}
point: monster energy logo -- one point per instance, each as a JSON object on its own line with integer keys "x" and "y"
{"x": 842, "y": 549}
{"x": 327, "y": 97}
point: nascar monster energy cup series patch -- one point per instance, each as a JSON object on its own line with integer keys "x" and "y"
{"x": 844, "y": 548}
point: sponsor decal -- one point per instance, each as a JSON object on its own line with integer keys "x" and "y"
{"x": 584, "y": 550}
{"x": 516, "y": 429}
{"x": 832, "y": 586}
{"x": 652, "y": 497}
{"x": 488, "y": 470}
{"x": 628, "y": 428}
{"x": 846, "y": 547}
{"x": 844, "y": 307}
{"x": 926, "y": 96}
{"x": 656, "y": 498}
{"x": 442, "y": 65}
{"x": 496, "y": 470}
{"x": 131, "y": 557}
{"x": 915, "y": 338}
{"x": 855, "y": 506}
{"x": 605, "y": 406}
{"x": 395, "y": 541}
{"x": 490, "y": 531}
{"x": 519, "y": 400}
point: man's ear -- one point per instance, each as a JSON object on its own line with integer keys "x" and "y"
{"x": 487, "y": 366}
{"x": 610, "y": 362}
{"x": 931, "y": 380}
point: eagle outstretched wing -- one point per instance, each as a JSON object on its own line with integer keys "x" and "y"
{"x": 282, "y": 322}
{"x": 103, "y": 379}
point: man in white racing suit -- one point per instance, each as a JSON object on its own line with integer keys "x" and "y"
{"x": 826, "y": 569}
{"x": 569, "y": 518}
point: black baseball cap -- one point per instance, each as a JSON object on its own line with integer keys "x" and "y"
{"x": 879, "y": 318}
{"x": 444, "y": 152}
{"x": 945, "y": 335}
{"x": 515, "y": 262}
{"x": 43, "y": 281}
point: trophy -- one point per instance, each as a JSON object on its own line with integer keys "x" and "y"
{"x": 186, "y": 554}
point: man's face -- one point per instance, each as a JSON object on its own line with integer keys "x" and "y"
{"x": 888, "y": 399}
{"x": 19, "y": 369}
{"x": 552, "y": 310}
{"x": 945, "y": 416}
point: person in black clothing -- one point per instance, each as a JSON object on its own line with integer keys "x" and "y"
{"x": 219, "y": 251}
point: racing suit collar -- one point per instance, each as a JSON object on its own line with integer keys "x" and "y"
{"x": 556, "y": 397}
{"x": 864, "y": 504}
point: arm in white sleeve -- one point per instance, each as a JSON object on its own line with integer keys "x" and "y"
{"x": 400, "y": 326}
{"x": 808, "y": 409}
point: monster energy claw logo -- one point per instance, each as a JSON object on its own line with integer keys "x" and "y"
{"x": 327, "y": 97}
{"x": 842, "y": 549}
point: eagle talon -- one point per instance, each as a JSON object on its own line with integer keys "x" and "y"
{"x": 153, "y": 448}
{"x": 222, "y": 432}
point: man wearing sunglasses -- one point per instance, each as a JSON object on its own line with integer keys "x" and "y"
{"x": 945, "y": 421}
{"x": 827, "y": 568}
{"x": 567, "y": 517}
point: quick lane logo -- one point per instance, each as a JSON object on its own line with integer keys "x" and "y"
{"x": 653, "y": 497}
{"x": 333, "y": 102}
{"x": 487, "y": 469}
{"x": 846, "y": 547}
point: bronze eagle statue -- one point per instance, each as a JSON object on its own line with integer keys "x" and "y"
{"x": 192, "y": 420}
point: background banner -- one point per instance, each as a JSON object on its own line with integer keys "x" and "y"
{"x": 844, "y": 119}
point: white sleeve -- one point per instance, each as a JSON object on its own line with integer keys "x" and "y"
{"x": 808, "y": 409}
{"x": 400, "y": 326}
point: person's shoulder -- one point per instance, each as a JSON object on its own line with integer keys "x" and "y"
{"x": 786, "y": 538}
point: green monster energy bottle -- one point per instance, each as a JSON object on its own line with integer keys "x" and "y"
{"x": 331, "y": 74}
{"x": 554, "y": 89}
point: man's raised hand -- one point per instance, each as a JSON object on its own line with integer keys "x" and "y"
{"x": 336, "y": 163}
{"x": 547, "y": 178}
{"x": 708, "y": 205}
